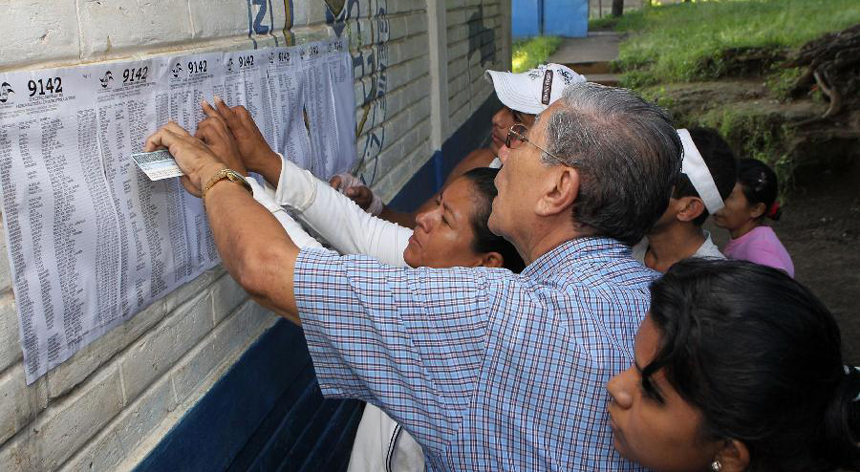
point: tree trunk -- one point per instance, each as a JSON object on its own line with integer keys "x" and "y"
{"x": 617, "y": 7}
{"x": 830, "y": 64}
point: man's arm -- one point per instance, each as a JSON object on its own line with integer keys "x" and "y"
{"x": 215, "y": 131}
{"x": 253, "y": 246}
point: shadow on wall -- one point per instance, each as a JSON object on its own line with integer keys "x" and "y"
{"x": 481, "y": 38}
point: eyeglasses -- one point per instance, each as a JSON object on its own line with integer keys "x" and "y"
{"x": 516, "y": 135}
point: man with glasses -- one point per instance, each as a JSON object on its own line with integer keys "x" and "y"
{"x": 523, "y": 96}
{"x": 488, "y": 370}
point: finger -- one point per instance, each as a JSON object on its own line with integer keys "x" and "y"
{"x": 226, "y": 113}
{"x": 219, "y": 139}
{"x": 150, "y": 145}
{"x": 205, "y": 133}
{"x": 213, "y": 115}
{"x": 176, "y": 129}
{"x": 363, "y": 195}
{"x": 335, "y": 182}
{"x": 160, "y": 139}
{"x": 357, "y": 191}
{"x": 208, "y": 110}
{"x": 244, "y": 118}
{"x": 216, "y": 123}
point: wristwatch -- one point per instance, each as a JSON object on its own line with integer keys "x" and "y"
{"x": 228, "y": 174}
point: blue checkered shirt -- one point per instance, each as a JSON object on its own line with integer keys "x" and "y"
{"x": 488, "y": 370}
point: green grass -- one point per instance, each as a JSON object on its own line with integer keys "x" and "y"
{"x": 607, "y": 22}
{"x": 759, "y": 135}
{"x": 684, "y": 42}
{"x": 527, "y": 54}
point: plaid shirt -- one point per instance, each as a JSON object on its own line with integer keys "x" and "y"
{"x": 487, "y": 369}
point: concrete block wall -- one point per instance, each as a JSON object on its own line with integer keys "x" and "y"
{"x": 477, "y": 32}
{"x": 418, "y": 68}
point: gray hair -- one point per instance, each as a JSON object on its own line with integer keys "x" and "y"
{"x": 627, "y": 154}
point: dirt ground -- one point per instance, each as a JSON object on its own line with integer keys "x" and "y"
{"x": 820, "y": 224}
{"x": 820, "y": 227}
{"x": 821, "y": 230}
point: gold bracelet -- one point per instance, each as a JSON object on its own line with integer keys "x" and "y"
{"x": 228, "y": 174}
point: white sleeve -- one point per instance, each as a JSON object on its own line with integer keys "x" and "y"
{"x": 293, "y": 228}
{"x": 348, "y": 228}
{"x": 296, "y": 186}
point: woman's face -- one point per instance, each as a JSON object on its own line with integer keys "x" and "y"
{"x": 502, "y": 122}
{"x": 443, "y": 235}
{"x": 737, "y": 210}
{"x": 660, "y": 435}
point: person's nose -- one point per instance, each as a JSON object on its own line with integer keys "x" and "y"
{"x": 425, "y": 220}
{"x": 619, "y": 388}
{"x": 504, "y": 154}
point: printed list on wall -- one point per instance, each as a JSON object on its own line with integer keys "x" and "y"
{"x": 91, "y": 240}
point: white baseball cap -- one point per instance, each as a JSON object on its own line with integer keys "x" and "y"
{"x": 534, "y": 90}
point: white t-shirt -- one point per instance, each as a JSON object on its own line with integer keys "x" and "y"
{"x": 380, "y": 444}
{"x": 708, "y": 250}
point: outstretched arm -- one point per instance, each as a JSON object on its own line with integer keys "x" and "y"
{"x": 255, "y": 153}
{"x": 215, "y": 130}
{"x": 363, "y": 196}
{"x": 334, "y": 216}
{"x": 253, "y": 246}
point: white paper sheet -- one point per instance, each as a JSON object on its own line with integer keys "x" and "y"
{"x": 91, "y": 239}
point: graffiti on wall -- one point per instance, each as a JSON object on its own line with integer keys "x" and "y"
{"x": 338, "y": 11}
{"x": 481, "y": 38}
{"x": 261, "y": 20}
{"x": 369, "y": 63}
{"x": 372, "y": 116}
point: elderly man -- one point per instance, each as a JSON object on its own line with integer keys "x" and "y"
{"x": 523, "y": 96}
{"x": 487, "y": 369}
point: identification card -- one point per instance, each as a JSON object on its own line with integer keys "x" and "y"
{"x": 157, "y": 165}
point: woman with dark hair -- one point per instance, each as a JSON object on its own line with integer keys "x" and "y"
{"x": 737, "y": 368}
{"x": 752, "y": 200}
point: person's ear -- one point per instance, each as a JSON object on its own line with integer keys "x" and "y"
{"x": 561, "y": 190}
{"x": 734, "y": 456}
{"x": 690, "y": 208}
{"x": 491, "y": 259}
{"x": 757, "y": 210}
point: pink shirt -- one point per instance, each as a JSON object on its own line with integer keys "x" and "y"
{"x": 762, "y": 247}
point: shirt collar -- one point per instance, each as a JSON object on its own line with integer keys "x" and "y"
{"x": 569, "y": 252}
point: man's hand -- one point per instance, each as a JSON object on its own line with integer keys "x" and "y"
{"x": 214, "y": 132}
{"x": 255, "y": 152}
{"x": 194, "y": 157}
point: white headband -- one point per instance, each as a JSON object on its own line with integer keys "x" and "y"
{"x": 695, "y": 168}
{"x": 848, "y": 370}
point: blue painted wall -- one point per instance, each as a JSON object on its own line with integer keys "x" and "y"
{"x": 267, "y": 413}
{"x": 526, "y": 18}
{"x": 549, "y": 17}
{"x": 474, "y": 134}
